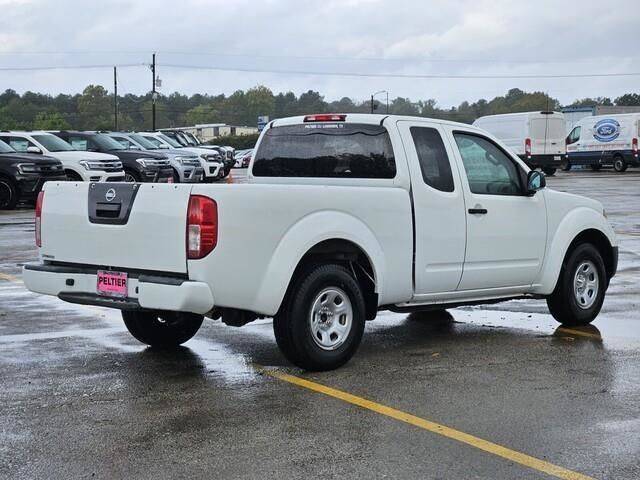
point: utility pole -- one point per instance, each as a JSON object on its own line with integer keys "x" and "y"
{"x": 153, "y": 92}
{"x": 373, "y": 107}
{"x": 115, "y": 99}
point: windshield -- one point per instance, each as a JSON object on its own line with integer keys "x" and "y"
{"x": 170, "y": 141}
{"x": 146, "y": 143}
{"x": 53, "y": 143}
{"x": 4, "y": 148}
{"x": 107, "y": 143}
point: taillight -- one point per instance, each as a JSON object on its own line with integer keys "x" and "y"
{"x": 39, "y": 219}
{"x": 634, "y": 146}
{"x": 325, "y": 117}
{"x": 527, "y": 147}
{"x": 202, "y": 226}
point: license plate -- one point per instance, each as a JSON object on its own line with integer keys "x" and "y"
{"x": 112, "y": 284}
{"x": 557, "y": 158}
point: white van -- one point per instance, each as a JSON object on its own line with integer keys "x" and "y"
{"x": 538, "y": 138}
{"x": 605, "y": 140}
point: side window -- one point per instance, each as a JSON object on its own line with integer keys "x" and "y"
{"x": 432, "y": 155}
{"x": 574, "y": 136}
{"x": 20, "y": 144}
{"x": 489, "y": 170}
{"x": 78, "y": 143}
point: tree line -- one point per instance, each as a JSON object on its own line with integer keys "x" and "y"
{"x": 93, "y": 109}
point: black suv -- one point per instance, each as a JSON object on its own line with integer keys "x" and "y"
{"x": 22, "y": 175}
{"x": 139, "y": 166}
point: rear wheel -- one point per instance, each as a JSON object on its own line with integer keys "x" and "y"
{"x": 579, "y": 293}
{"x": 619, "y": 163}
{"x": 321, "y": 322}
{"x": 161, "y": 328}
{"x": 565, "y": 166}
{"x": 549, "y": 171}
{"x": 8, "y": 194}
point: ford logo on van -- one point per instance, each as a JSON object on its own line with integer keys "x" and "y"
{"x": 606, "y": 130}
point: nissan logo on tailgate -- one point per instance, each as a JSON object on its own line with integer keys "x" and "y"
{"x": 110, "y": 195}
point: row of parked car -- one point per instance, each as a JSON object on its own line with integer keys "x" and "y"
{"x": 30, "y": 158}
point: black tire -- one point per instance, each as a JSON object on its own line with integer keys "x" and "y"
{"x": 131, "y": 176}
{"x": 549, "y": 171}
{"x": 72, "y": 176}
{"x": 596, "y": 168}
{"x": 292, "y": 325}
{"x": 176, "y": 176}
{"x": 565, "y": 166}
{"x": 619, "y": 163}
{"x": 162, "y": 329}
{"x": 8, "y": 194}
{"x": 563, "y": 302}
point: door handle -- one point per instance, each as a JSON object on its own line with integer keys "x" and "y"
{"x": 478, "y": 211}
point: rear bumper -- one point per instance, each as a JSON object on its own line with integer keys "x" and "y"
{"x": 536, "y": 161}
{"x": 146, "y": 290}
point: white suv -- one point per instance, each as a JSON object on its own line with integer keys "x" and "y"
{"x": 209, "y": 159}
{"x": 79, "y": 166}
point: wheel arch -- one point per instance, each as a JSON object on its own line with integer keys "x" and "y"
{"x": 344, "y": 239}
{"x": 582, "y": 225}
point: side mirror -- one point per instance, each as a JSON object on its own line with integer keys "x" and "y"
{"x": 535, "y": 181}
{"x": 33, "y": 149}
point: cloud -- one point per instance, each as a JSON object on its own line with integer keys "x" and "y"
{"x": 404, "y": 36}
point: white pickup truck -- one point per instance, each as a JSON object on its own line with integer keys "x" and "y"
{"x": 343, "y": 216}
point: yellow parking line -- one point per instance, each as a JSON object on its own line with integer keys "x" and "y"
{"x": 479, "y": 443}
{"x": 571, "y": 331}
{"x": 9, "y": 278}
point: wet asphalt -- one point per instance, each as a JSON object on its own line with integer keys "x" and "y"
{"x": 80, "y": 398}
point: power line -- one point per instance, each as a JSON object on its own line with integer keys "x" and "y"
{"x": 442, "y": 76}
{"x": 397, "y": 75}
{"x": 69, "y": 67}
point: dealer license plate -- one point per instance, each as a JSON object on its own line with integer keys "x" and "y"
{"x": 112, "y": 284}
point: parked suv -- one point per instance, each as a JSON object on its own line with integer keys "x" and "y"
{"x": 186, "y": 166}
{"x": 22, "y": 175}
{"x": 210, "y": 160}
{"x": 78, "y": 166}
{"x": 138, "y": 166}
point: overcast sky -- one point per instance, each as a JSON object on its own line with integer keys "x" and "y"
{"x": 390, "y": 37}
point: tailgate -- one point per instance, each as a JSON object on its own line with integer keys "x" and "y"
{"x": 119, "y": 225}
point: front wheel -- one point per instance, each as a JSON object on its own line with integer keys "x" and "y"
{"x": 8, "y": 194}
{"x": 162, "y": 329}
{"x": 619, "y": 164}
{"x": 549, "y": 171}
{"x": 131, "y": 177}
{"x": 321, "y": 323}
{"x": 579, "y": 293}
{"x": 565, "y": 166}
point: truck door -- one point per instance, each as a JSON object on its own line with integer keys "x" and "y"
{"x": 438, "y": 201}
{"x": 506, "y": 228}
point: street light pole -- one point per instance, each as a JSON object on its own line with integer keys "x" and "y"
{"x": 153, "y": 92}
{"x": 115, "y": 98}
{"x": 377, "y": 93}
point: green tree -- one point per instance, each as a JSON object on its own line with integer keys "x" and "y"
{"x": 259, "y": 101}
{"x": 50, "y": 121}
{"x": 628, "y": 100}
{"x": 95, "y": 109}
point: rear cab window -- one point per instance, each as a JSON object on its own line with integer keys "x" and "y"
{"x": 325, "y": 150}
{"x": 433, "y": 158}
